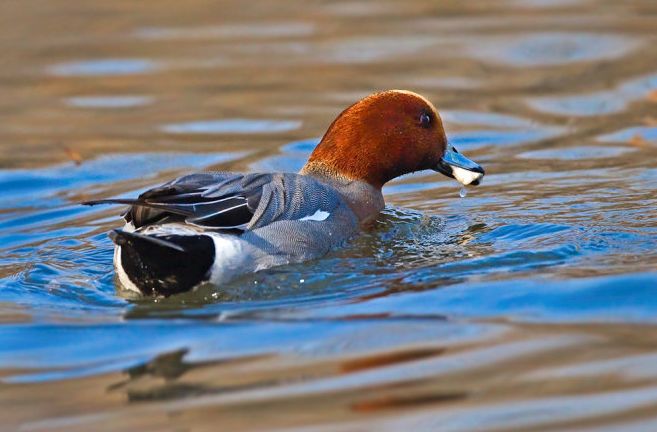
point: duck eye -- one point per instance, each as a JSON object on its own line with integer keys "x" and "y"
{"x": 425, "y": 120}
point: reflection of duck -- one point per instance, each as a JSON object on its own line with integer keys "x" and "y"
{"x": 212, "y": 227}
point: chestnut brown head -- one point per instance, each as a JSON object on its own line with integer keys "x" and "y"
{"x": 383, "y": 136}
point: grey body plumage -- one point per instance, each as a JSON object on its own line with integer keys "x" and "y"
{"x": 248, "y": 222}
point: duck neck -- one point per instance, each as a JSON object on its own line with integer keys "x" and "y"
{"x": 365, "y": 200}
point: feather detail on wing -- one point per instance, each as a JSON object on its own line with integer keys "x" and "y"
{"x": 185, "y": 199}
{"x": 229, "y": 201}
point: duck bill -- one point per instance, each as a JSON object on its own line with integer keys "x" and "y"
{"x": 453, "y": 164}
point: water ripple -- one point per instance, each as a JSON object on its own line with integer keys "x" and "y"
{"x": 232, "y": 126}
{"x": 229, "y": 31}
{"x": 103, "y": 67}
{"x": 108, "y": 101}
{"x": 551, "y": 49}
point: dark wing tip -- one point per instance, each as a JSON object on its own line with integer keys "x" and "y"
{"x": 96, "y": 202}
{"x": 124, "y": 201}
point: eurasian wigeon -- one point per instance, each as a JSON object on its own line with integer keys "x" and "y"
{"x": 213, "y": 227}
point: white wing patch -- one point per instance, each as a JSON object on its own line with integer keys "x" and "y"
{"x": 319, "y": 215}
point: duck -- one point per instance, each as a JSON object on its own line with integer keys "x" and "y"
{"x": 214, "y": 227}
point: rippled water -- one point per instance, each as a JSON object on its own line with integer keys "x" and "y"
{"x": 528, "y": 305}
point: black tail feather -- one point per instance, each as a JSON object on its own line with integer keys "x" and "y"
{"x": 127, "y": 201}
{"x": 123, "y": 238}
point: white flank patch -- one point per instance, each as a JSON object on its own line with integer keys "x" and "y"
{"x": 228, "y": 258}
{"x": 319, "y": 215}
{"x": 465, "y": 177}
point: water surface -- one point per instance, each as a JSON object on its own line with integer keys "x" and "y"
{"x": 531, "y": 304}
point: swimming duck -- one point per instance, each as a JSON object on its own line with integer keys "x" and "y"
{"x": 213, "y": 227}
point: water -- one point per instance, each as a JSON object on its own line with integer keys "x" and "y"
{"x": 529, "y": 305}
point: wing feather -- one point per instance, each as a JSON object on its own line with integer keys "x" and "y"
{"x": 185, "y": 199}
{"x": 227, "y": 201}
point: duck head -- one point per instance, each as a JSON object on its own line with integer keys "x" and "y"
{"x": 386, "y": 135}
